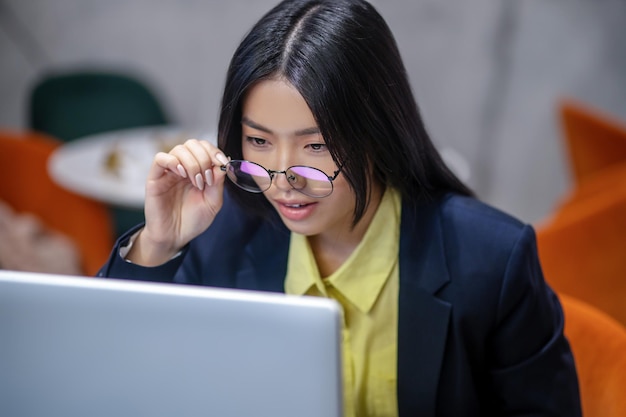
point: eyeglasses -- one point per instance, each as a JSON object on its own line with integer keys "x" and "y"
{"x": 255, "y": 178}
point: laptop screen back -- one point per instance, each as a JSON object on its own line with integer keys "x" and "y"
{"x": 75, "y": 346}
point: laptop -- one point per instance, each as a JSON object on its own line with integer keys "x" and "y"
{"x": 77, "y": 346}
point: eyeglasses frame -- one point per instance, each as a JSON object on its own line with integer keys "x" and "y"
{"x": 272, "y": 173}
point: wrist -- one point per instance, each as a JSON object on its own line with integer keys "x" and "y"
{"x": 144, "y": 251}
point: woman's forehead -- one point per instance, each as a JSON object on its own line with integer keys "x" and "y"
{"x": 276, "y": 107}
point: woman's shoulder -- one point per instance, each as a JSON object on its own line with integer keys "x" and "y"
{"x": 471, "y": 234}
{"x": 484, "y": 245}
{"x": 471, "y": 210}
{"x": 479, "y": 222}
{"x": 481, "y": 251}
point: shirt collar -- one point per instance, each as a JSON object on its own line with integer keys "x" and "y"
{"x": 362, "y": 276}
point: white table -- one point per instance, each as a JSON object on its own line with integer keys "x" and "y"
{"x": 112, "y": 167}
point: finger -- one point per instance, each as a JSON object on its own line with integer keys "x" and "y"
{"x": 216, "y": 173}
{"x": 217, "y": 156}
{"x": 204, "y": 152}
{"x": 215, "y": 176}
{"x": 211, "y": 167}
{"x": 214, "y": 192}
{"x": 208, "y": 176}
{"x": 164, "y": 162}
{"x": 195, "y": 160}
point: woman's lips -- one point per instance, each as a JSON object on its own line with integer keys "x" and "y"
{"x": 295, "y": 211}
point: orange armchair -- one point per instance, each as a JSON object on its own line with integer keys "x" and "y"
{"x": 27, "y": 188}
{"x": 598, "y": 343}
{"x": 595, "y": 141}
{"x": 583, "y": 252}
{"x": 582, "y": 245}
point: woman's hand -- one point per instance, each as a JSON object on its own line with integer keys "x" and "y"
{"x": 184, "y": 193}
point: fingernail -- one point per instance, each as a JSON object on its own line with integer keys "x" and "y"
{"x": 181, "y": 171}
{"x": 199, "y": 181}
{"x": 220, "y": 157}
{"x": 208, "y": 175}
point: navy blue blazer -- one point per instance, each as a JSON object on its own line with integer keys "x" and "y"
{"x": 479, "y": 333}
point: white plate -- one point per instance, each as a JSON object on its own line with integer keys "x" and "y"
{"x": 112, "y": 166}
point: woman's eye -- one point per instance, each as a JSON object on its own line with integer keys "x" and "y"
{"x": 317, "y": 146}
{"x": 256, "y": 141}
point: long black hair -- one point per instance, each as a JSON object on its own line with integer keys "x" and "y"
{"x": 343, "y": 59}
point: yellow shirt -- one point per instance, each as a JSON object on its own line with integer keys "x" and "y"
{"x": 366, "y": 287}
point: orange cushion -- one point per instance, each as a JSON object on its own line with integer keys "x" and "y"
{"x": 582, "y": 252}
{"x": 595, "y": 140}
{"x": 27, "y": 188}
{"x": 598, "y": 343}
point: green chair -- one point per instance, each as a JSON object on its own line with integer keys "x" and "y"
{"x": 75, "y": 103}
{"x": 69, "y": 105}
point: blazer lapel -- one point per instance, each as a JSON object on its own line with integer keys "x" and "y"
{"x": 423, "y": 318}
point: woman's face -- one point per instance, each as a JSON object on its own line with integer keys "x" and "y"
{"x": 279, "y": 131}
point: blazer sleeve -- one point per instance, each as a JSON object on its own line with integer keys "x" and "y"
{"x": 213, "y": 258}
{"x": 117, "y": 267}
{"x": 533, "y": 371}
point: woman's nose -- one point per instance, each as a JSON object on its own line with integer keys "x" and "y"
{"x": 281, "y": 181}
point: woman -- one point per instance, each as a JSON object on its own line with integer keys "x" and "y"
{"x": 335, "y": 189}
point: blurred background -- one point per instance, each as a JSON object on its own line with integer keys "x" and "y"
{"x": 525, "y": 99}
{"x": 487, "y": 74}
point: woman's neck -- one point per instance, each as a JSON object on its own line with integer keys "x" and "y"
{"x": 332, "y": 248}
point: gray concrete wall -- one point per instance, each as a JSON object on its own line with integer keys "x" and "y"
{"x": 487, "y": 74}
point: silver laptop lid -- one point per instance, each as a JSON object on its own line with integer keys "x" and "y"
{"x": 76, "y": 346}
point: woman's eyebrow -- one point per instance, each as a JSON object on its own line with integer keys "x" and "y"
{"x": 303, "y": 132}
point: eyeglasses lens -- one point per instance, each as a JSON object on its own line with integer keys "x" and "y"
{"x": 309, "y": 181}
{"x": 254, "y": 178}
{"x": 249, "y": 176}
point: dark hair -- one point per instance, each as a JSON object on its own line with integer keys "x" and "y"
{"x": 343, "y": 59}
